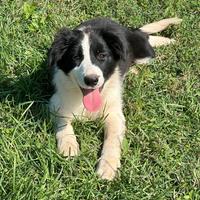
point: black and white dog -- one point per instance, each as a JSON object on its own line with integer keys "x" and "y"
{"x": 89, "y": 65}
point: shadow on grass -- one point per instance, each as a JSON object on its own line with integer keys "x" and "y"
{"x": 34, "y": 90}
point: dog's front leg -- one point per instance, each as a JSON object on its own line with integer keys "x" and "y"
{"x": 66, "y": 139}
{"x": 113, "y": 136}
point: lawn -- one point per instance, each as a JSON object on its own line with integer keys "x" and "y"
{"x": 161, "y": 152}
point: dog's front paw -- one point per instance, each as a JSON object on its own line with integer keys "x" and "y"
{"x": 68, "y": 146}
{"x": 107, "y": 168}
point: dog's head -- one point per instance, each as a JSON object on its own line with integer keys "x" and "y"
{"x": 90, "y": 56}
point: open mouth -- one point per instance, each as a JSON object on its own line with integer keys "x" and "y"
{"x": 92, "y": 99}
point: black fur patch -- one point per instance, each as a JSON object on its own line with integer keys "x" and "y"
{"x": 66, "y": 50}
{"x": 139, "y": 45}
{"x": 111, "y": 46}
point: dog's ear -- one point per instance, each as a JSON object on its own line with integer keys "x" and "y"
{"x": 59, "y": 52}
{"x": 115, "y": 43}
{"x": 141, "y": 48}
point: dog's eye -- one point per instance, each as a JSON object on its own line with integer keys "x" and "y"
{"x": 101, "y": 56}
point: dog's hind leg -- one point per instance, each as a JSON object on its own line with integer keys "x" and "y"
{"x": 159, "y": 26}
{"x": 156, "y": 41}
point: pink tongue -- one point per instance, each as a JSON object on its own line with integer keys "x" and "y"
{"x": 91, "y": 99}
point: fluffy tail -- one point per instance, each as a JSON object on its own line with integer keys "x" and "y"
{"x": 158, "y": 26}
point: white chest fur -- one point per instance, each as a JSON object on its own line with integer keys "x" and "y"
{"x": 67, "y": 100}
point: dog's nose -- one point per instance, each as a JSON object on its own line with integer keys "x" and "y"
{"x": 91, "y": 80}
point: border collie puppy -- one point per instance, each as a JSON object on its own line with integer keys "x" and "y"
{"x": 89, "y": 64}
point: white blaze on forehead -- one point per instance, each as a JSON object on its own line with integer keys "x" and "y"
{"x": 87, "y": 67}
{"x": 86, "y": 50}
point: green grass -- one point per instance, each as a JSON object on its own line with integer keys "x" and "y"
{"x": 161, "y": 152}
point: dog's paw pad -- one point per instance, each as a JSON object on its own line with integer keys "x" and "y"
{"x": 107, "y": 168}
{"x": 68, "y": 147}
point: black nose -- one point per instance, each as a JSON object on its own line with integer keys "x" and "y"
{"x": 91, "y": 80}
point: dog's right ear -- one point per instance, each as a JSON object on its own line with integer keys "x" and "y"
{"x": 64, "y": 40}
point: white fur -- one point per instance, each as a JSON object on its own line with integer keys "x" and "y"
{"x": 143, "y": 60}
{"x": 67, "y": 100}
{"x": 87, "y": 67}
{"x": 158, "y": 26}
{"x": 67, "y": 104}
{"x": 156, "y": 41}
